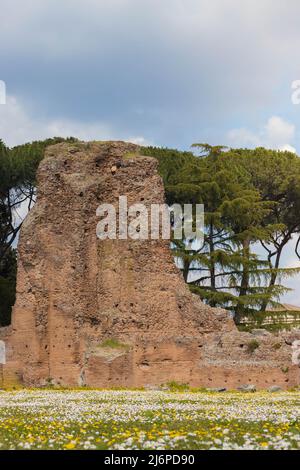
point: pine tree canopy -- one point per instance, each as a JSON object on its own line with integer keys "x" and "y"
{"x": 251, "y": 200}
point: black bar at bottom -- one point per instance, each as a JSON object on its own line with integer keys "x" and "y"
{"x": 150, "y": 459}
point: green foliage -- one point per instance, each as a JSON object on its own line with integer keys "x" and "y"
{"x": 131, "y": 155}
{"x": 113, "y": 343}
{"x": 25, "y": 159}
{"x": 252, "y": 346}
{"x": 171, "y": 164}
{"x": 174, "y": 386}
{"x": 18, "y": 168}
{"x": 251, "y": 197}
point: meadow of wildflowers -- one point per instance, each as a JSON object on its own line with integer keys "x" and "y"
{"x": 91, "y": 419}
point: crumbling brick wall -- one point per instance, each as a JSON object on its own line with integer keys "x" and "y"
{"x": 117, "y": 312}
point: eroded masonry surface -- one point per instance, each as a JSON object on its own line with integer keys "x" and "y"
{"x": 117, "y": 312}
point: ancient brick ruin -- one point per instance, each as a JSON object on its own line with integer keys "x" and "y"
{"x": 117, "y": 312}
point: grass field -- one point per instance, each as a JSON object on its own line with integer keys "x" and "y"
{"x": 48, "y": 419}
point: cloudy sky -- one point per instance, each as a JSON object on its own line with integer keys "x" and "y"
{"x": 165, "y": 72}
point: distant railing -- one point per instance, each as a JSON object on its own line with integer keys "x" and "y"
{"x": 288, "y": 318}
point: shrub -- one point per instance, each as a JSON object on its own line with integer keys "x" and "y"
{"x": 113, "y": 344}
{"x": 177, "y": 387}
{"x": 252, "y": 346}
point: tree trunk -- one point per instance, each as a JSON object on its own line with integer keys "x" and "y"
{"x": 272, "y": 281}
{"x": 212, "y": 268}
{"x": 244, "y": 282}
{"x": 186, "y": 270}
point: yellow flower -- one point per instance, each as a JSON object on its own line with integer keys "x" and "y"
{"x": 70, "y": 445}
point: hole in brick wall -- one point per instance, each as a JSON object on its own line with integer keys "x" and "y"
{"x": 144, "y": 364}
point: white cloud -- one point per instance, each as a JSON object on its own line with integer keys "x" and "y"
{"x": 139, "y": 140}
{"x": 243, "y": 137}
{"x": 276, "y": 134}
{"x": 18, "y": 127}
{"x": 279, "y": 132}
{"x": 288, "y": 148}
